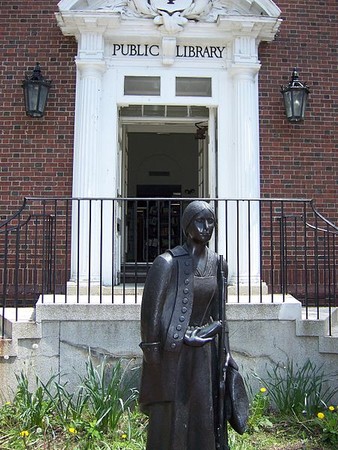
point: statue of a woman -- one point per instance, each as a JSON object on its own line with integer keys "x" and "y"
{"x": 179, "y": 324}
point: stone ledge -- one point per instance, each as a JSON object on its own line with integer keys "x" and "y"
{"x": 316, "y": 322}
{"x": 90, "y": 312}
{"x": 312, "y": 327}
{"x": 328, "y": 344}
{"x": 7, "y": 349}
{"x": 78, "y": 308}
{"x": 21, "y": 323}
{"x": 261, "y": 308}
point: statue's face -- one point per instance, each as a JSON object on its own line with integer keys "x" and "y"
{"x": 202, "y": 226}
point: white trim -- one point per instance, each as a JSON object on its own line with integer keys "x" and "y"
{"x": 235, "y": 28}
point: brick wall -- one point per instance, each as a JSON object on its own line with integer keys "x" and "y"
{"x": 35, "y": 154}
{"x": 296, "y": 160}
{"x": 301, "y": 160}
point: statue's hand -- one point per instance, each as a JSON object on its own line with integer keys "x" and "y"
{"x": 193, "y": 338}
{"x": 210, "y": 330}
{"x": 151, "y": 352}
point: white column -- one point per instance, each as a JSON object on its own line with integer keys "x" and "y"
{"x": 244, "y": 222}
{"x": 86, "y": 214}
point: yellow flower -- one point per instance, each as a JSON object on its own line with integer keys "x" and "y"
{"x": 262, "y": 390}
{"x": 320, "y": 415}
{"x": 72, "y": 430}
{"x": 24, "y": 433}
{"x": 124, "y": 436}
{"x": 331, "y": 408}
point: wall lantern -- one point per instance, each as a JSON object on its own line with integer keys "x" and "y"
{"x": 295, "y": 96}
{"x": 35, "y": 89}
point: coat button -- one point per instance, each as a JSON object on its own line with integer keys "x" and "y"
{"x": 179, "y": 327}
{"x": 186, "y": 290}
{"x": 187, "y": 263}
{"x": 182, "y": 318}
{"x": 173, "y": 345}
{"x": 176, "y": 336}
{"x": 186, "y": 281}
{"x": 184, "y": 309}
{"x": 185, "y": 300}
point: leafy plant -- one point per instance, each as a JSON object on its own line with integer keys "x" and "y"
{"x": 68, "y": 406}
{"x": 32, "y": 407}
{"x": 71, "y": 420}
{"x": 108, "y": 392}
{"x": 328, "y": 422}
{"x": 258, "y": 411}
{"x": 299, "y": 390}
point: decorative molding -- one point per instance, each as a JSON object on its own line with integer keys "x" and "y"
{"x": 168, "y": 50}
{"x": 91, "y": 45}
{"x": 172, "y": 16}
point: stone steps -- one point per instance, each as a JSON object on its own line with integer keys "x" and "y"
{"x": 22, "y": 324}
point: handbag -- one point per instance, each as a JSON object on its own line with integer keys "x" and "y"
{"x": 236, "y": 401}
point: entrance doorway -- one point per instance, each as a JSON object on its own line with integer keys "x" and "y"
{"x": 160, "y": 166}
{"x": 161, "y": 158}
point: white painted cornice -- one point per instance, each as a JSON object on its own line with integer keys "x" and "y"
{"x": 262, "y": 28}
{"x": 112, "y": 18}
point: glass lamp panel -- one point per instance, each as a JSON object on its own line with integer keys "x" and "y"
{"x": 288, "y": 103}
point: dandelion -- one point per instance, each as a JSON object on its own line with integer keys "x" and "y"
{"x": 24, "y": 433}
{"x": 262, "y": 390}
{"x": 331, "y": 408}
{"x": 124, "y": 436}
{"x": 320, "y": 415}
{"x": 72, "y": 430}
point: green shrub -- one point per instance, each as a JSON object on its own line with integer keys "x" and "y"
{"x": 32, "y": 407}
{"x": 298, "y": 390}
{"x": 258, "y": 411}
{"x": 102, "y": 415}
{"x": 109, "y": 394}
{"x": 327, "y": 421}
{"x": 84, "y": 419}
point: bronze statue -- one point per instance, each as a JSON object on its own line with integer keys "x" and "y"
{"x": 185, "y": 343}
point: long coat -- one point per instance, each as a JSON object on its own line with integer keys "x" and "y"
{"x": 165, "y": 314}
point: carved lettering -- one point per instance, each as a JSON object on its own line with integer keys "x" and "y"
{"x": 154, "y": 50}
{"x": 182, "y": 51}
{"x": 116, "y": 49}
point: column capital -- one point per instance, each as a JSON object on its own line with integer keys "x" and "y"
{"x": 92, "y": 67}
{"x": 91, "y": 44}
{"x": 245, "y": 50}
{"x": 244, "y": 70}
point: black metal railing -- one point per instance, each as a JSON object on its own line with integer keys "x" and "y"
{"x": 99, "y": 250}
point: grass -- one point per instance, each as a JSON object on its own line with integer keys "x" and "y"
{"x": 103, "y": 413}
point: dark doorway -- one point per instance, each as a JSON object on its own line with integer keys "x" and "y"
{"x": 159, "y": 165}
{"x": 154, "y": 224}
{"x": 156, "y": 190}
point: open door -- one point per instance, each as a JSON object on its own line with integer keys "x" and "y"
{"x": 160, "y": 157}
{"x": 203, "y": 166}
{"x": 121, "y": 207}
{"x": 207, "y": 144}
{"x": 212, "y": 153}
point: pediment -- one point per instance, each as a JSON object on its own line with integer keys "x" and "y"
{"x": 172, "y": 16}
{"x": 239, "y": 7}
